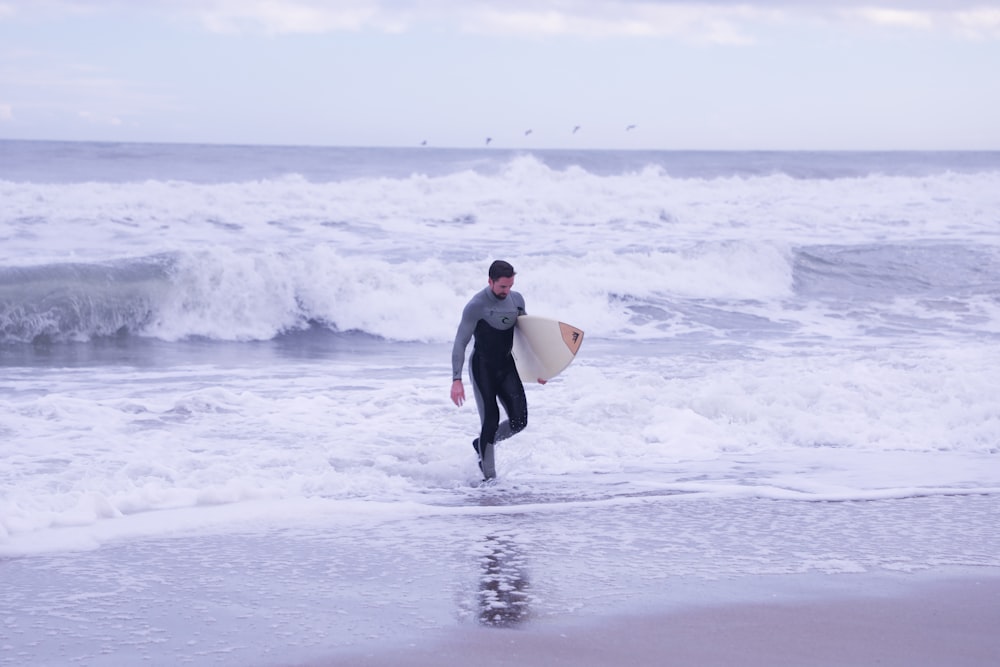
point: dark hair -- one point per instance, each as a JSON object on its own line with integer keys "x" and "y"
{"x": 501, "y": 269}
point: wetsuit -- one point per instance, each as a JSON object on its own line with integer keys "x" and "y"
{"x": 491, "y": 321}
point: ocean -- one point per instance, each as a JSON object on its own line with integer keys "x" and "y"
{"x": 225, "y": 374}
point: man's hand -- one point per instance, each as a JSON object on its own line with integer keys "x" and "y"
{"x": 541, "y": 381}
{"x": 457, "y": 393}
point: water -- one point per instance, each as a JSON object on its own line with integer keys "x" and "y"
{"x": 206, "y": 340}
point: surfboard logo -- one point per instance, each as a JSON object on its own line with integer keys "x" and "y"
{"x": 571, "y": 336}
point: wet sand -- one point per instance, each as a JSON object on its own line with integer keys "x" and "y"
{"x": 927, "y": 623}
{"x": 692, "y": 582}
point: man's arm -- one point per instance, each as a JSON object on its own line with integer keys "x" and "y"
{"x": 466, "y": 328}
{"x": 462, "y": 337}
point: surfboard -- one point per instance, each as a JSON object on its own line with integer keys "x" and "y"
{"x": 544, "y": 347}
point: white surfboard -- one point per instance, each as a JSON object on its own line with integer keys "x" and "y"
{"x": 543, "y": 347}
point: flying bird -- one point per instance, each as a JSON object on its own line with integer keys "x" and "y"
{"x": 527, "y": 132}
{"x": 575, "y": 128}
{"x": 630, "y": 127}
{"x": 488, "y": 140}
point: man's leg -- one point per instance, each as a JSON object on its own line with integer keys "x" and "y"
{"x": 511, "y": 394}
{"x": 485, "y": 391}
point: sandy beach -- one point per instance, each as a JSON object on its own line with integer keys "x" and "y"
{"x": 918, "y": 622}
{"x": 644, "y": 581}
{"x": 669, "y": 580}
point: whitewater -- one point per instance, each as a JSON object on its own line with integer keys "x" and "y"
{"x": 789, "y": 366}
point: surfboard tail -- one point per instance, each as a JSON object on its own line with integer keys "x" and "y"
{"x": 572, "y": 336}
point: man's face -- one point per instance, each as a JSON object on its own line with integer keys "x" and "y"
{"x": 501, "y": 287}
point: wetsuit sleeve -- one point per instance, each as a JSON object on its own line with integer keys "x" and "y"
{"x": 520, "y": 306}
{"x": 462, "y": 337}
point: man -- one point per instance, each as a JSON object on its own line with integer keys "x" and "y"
{"x": 490, "y": 317}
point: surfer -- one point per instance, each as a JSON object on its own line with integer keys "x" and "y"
{"x": 490, "y": 317}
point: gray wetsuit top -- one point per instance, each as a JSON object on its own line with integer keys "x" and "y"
{"x": 491, "y": 320}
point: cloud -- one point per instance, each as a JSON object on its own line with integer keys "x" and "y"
{"x": 283, "y": 17}
{"x": 700, "y": 23}
{"x": 973, "y": 22}
{"x": 893, "y": 18}
{"x": 979, "y": 23}
{"x": 707, "y": 21}
{"x": 715, "y": 22}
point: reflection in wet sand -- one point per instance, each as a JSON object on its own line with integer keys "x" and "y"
{"x": 503, "y": 590}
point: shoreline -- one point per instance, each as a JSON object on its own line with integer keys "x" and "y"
{"x": 924, "y": 620}
{"x": 672, "y": 580}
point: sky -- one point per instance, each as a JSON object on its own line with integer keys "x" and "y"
{"x": 579, "y": 74}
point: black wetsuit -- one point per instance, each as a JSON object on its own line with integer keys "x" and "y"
{"x": 491, "y": 321}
